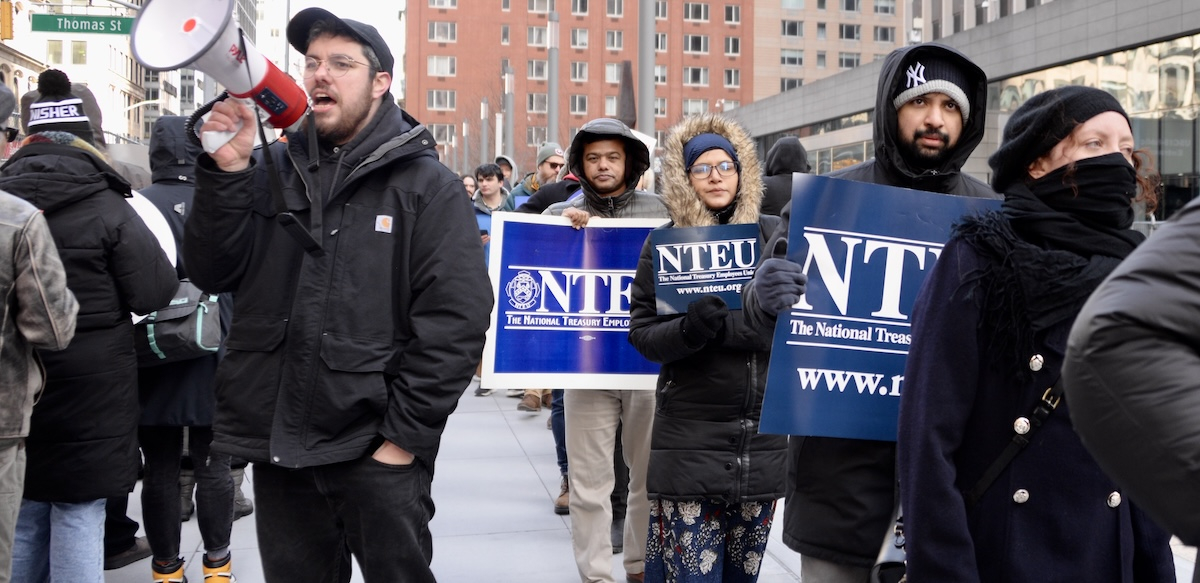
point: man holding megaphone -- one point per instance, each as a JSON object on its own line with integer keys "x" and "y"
{"x": 345, "y": 358}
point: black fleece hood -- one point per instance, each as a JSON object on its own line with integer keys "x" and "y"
{"x": 172, "y": 155}
{"x": 787, "y": 156}
{"x": 637, "y": 156}
{"x": 887, "y": 131}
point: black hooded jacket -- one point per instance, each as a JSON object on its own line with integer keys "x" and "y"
{"x": 82, "y": 443}
{"x": 374, "y": 339}
{"x": 786, "y": 157}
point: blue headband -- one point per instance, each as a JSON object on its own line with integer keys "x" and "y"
{"x": 703, "y": 143}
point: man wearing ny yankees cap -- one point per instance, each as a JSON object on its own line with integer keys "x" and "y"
{"x": 929, "y": 116}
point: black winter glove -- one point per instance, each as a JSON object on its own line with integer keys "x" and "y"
{"x": 779, "y": 284}
{"x": 705, "y": 319}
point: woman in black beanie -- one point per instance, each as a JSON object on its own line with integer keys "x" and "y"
{"x": 995, "y": 484}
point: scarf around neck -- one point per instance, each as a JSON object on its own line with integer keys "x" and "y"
{"x": 1046, "y": 250}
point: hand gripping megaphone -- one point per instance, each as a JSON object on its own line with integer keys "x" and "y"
{"x": 201, "y": 34}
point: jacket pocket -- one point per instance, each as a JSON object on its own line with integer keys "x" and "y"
{"x": 256, "y": 333}
{"x": 248, "y": 378}
{"x": 351, "y": 394}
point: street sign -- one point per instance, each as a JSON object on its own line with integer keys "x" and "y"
{"x": 82, "y": 23}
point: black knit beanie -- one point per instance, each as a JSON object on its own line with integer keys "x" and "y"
{"x": 1040, "y": 124}
{"x": 57, "y": 109}
{"x": 928, "y": 73}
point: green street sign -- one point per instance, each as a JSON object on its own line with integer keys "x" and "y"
{"x": 82, "y": 23}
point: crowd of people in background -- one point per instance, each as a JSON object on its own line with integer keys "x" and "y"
{"x": 335, "y": 378}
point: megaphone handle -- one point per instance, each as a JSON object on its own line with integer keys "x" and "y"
{"x": 213, "y": 140}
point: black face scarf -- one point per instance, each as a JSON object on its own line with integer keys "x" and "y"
{"x": 1047, "y": 251}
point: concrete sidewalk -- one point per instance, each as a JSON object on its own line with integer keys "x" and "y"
{"x": 494, "y": 487}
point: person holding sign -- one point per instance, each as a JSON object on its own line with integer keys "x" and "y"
{"x": 994, "y": 481}
{"x": 929, "y": 117}
{"x": 713, "y": 479}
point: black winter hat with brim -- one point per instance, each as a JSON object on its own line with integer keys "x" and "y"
{"x": 300, "y": 25}
{"x": 1041, "y": 123}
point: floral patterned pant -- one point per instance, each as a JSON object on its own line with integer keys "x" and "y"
{"x": 706, "y": 541}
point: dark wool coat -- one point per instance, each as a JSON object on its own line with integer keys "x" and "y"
{"x": 1052, "y": 515}
{"x": 705, "y": 442}
{"x": 841, "y": 492}
{"x": 83, "y": 442}
{"x": 179, "y": 394}
{"x": 376, "y": 338}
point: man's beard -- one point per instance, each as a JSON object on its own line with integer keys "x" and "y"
{"x": 922, "y": 157}
{"x": 353, "y": 112}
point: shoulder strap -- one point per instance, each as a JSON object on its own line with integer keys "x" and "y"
{"x": 1023, "y": 430}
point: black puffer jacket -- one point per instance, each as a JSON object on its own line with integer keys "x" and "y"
{"x": 705, "y": 442}
{"x": 376, "y": 338}
{"x": 83, "y": 443}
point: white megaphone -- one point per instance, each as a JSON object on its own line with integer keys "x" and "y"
{"x": 171, "y": 34}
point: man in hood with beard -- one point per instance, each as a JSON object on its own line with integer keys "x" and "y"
{"x": 929, "y": 117}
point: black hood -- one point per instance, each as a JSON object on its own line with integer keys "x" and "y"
{"x": 172, "y": 154}
{"x": 51, "y": 176}
{"x": 886, "y": 127}
{"x": 637, "y": 155}
{"x": 787, "y": 156}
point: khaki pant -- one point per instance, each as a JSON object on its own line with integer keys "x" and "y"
{"x": 592, "y": 417}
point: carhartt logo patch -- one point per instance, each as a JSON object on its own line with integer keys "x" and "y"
{"x": 916, "y": 76}
{"x": 383, "y": 224}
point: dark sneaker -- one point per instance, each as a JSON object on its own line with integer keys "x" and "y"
{"x": 133, "y": 554}
{"x": 482, "y": 392}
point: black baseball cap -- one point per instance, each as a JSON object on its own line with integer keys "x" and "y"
{"x": 297, "y": 34}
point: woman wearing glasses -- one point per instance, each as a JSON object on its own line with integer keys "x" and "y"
{"x": 713, "y": 479}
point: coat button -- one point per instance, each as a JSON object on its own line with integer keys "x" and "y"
{"x": 275, "y": 459}
{"x": 1114, "y": 500}
{"x": 1035, "y": 363}
{"x": 1021, "y": 425}
{"x": 1021, "y": 496}
{"x": 729, "y": 466}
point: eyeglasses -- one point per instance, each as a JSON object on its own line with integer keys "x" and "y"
{"x": 726, "y": 168}
{"x": 337, "y": 65}
{"x": 10, "y": 134}
{"x": 556, "y": 165}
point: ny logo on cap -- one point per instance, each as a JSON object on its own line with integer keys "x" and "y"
{"x": 916, "y": 76}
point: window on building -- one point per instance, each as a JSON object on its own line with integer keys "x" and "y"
{"x": 504, "y": 36}
{"x": 660, "y": 107}
{"x": 579, "y": 7}
{"x": 792, "y": 4}
{"x": 442, "y": 66}
{"x": 78, "y": 52}
{"x": 610, "y": 105}
{"x": 885, "y": 6}
{"x": 820, "y": 31}
{"x": 793, "y": 28}
{"x": 537, "y": 103}
{"x": 731, "y": 104}
{"x": 616, "y": 7}
{"x": 443, "y": 32}
{"x": 579, "y": 70}
{"x": 733, "y": 14}
{"x": 660, "y": 74}
{"x": 440, "y": 99}
{"x": 537, "y": 36}
{"x": 695, "y": 11}
{"x": 733, "y": 77}
{"x": 536, "y": 69}
{"x": 957, "y": 22}
{"x": 848, "y": 60}
{"x": 850, "y": 5}
{"x": 578, "y": 104}
{"x": 791, "y": 57}
{"x": 660, "y": 42}
{"x": 695, "y": 76}
{"x": 885, "y": 34}
{"x": 789, "y": 83}
{"x": 694, "y": 106}
{"x": 612, "y": 72}
{"x": 733, "y": 46}
{"x": 695, "y": 43}
{"x": 660, "y": 9}
{"x": 443, "y": 133}
{"x": 579, "y": 38}
{"x": 443, "y": 3}
{"x": 541, "y": 6}
{"x": 535, "y": 136}
{"x": 820, "y": 59}
{"x": 505, "y": 5}
{"x": 820, "y": 4}
{"x": 614, "y": 40}
{"x": 849, "y": 31}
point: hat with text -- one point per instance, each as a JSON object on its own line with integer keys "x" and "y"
{"x": 549, "y": 149}
{"x": 927, "y": 74}
{"x": 300, "y": 27}
{"x": 57, "y": 109}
